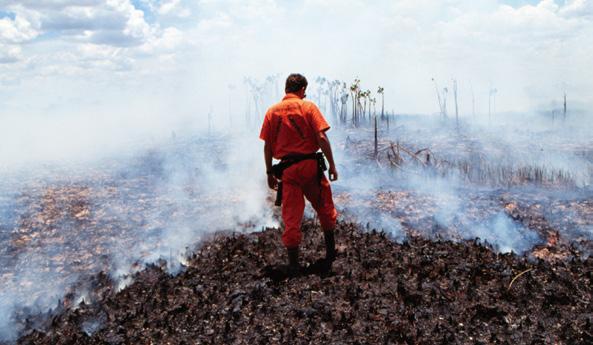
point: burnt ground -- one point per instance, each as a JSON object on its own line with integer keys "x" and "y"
{"x": 380, "y": 292}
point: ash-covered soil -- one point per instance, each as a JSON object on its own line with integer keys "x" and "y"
{"x": 380, "y": 292}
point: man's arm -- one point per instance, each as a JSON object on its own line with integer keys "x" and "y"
{"x": 319, "y": 126}
{"x": 272, "y": 182}
{"x": 325, "y": 146}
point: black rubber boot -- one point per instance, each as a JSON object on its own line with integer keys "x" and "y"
{"x": 293, "y": 262}
{"x": 281, "y": 272}
{"x": 323, "y": 267}
{"x": 293, "y": 257}
{"x": 330, "y": 245}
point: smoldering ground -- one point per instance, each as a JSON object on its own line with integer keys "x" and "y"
{"x": 106, "y": 161}
{"x": 156, "y": 198}
{"x": 117, "y": 214}
{"x": 464, "y": 179}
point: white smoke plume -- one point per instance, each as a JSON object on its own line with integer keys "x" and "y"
{"x": 132, "y": 88}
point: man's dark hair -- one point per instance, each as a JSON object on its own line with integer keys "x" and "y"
{"x": 295, "y": 82}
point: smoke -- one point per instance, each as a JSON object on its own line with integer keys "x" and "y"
{"x": 152, "y": 201}
{"x": 170, "y": 187}
{"x": 162, "y": 129}
{"x": 505, "y": 235}
{"x": 90, "y": 327}
{"x": 30, "y": 289}
{"x": 477, "y": 165}
{"x": 435, "y": 207}
{"x": 6, "y": 312}
{"x": 211, "y": 185}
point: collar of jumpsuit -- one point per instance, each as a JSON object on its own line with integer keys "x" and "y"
{"x": 290, "y": 95}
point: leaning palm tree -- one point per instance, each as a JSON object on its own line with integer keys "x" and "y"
{"x": 442, "y": 100}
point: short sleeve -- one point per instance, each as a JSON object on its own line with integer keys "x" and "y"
{"x": 264, "y": 134}
{"x": 318, "y": 122}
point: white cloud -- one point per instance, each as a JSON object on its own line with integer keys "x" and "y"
{"x": 24, "y": 27}
{"x": 167, "y": 40}
{"x": 9, "y": 53}
{"x": 524, "y": 51}
{"x": 112, "y": 22}
{"x": 243, "y": 12}
{"x": 174, "y": 8}
{"x": 51, "y": 4}
{"x": 136, "y": 26}
{"x": 578, "y": 8}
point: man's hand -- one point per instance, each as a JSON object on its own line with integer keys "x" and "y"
{"x": 333, "y": 173}
{"x": 272, "y": 182}
{"x": 325, "y": 147}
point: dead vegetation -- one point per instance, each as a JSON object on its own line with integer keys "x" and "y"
{"x": 417, "y": 292}
{"x": 479, "y": 170}
{"x": 436, "y": 287}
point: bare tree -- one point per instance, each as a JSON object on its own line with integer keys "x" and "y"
{"x": 473, "y": 101}
{"x": 321, "y": 81}
{"x": 333, "y": 90}
{"x": 445, "y": 92}
{"x": 564, "y": 107}
{"x": 374, "y": 115}
{"x": 231, "y": 88}
{"x": 344, "y": 103}
{"x": 381, "y": 91}
{"x": 491, "y": 102}
{"x": 456, "y": 104}
{"x": 442, "y": 100}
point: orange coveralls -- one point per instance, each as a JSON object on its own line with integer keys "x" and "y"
{"x": 291, "y": 127}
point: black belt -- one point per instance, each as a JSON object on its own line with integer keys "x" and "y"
{"x": 291, "y": 159}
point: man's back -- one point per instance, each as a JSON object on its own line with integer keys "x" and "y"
{"x": 291, "y": 126}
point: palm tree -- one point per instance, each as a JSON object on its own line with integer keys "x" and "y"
{"x": 381, "y": 91}
{"x": 355, "y": 92}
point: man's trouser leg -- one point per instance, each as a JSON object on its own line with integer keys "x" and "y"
{"x": 293, "y": 201}
{"x": 298, "y": 181}
{"x": 293, "y": 207}
{"x": 320, "y": 196}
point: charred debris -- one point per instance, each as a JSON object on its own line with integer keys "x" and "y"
{"x": 429, "y": 283}
{"x": 379, "y": 292}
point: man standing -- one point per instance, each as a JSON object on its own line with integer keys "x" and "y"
{"x": 293, "y": 131}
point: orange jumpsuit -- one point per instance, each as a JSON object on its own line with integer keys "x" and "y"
{"x": 291, "y": 127}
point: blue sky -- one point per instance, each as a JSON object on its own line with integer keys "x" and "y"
{"x": 7, "y": 14}
{"x": 148, "y": 12}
